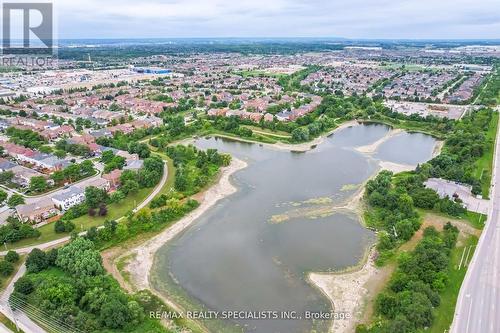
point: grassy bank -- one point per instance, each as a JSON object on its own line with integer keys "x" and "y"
{"x": 9, "y": 324}
{"x": 407, "y": 125}
{"x": 484, "y": 165}
{"x": 444, "y": 313}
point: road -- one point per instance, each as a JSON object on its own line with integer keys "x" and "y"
{"x": 478, "y": 304}
{"x": 156, "y": 190}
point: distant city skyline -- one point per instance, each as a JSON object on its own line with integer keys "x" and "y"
{"x": 352, "y": 19}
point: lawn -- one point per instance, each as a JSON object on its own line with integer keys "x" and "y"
{"x": 275, "y": 134}
{"x": 258, "y": 73}
{"x": 484, "y": 165}
{"x": 407, "y": 125}
{"x": 408, "y": 67}
{"x": 256, "y": 138}
{"x": 9, "y": 324}
{"x": 474, "y": 219}
{"x": 443, "y": 315}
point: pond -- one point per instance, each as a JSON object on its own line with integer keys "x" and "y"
{"x": 252, "y": 251}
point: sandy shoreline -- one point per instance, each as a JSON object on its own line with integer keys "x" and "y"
{"x": 371, "y": 148}
{"x": 346, "y": 290}
{"x": 295, "y": 147}
{"x": 142, "y": 257}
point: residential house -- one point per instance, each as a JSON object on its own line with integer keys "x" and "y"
{"x": 37, "y": 212}
{"x": 113, "y": 178}
{"x": 67, "y": 199}
{"x": 133, "y": 165}
{"x": 101, "y": 183}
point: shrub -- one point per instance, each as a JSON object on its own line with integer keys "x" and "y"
{"x": 24, "y": 285}
{"x": 64, "y": 226}
{"x": 36, "y": 261}
{"x": 6, "y": 268}
{"x": 12, "y": 256}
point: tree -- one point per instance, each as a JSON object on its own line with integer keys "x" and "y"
{"x": 15, "y": 200}
{"x": 405, "y": 204}
{"x": 12, "y": 256}
{"x": 63, "y": 226}
{"x": 6, "y": 176}
{"x": 425, "y": 198}
{"x": 38, "y": 184}
{"x": 400, "y": 324}
{"x": 36, "y": 261}
{"x": 128, "y": 175}
{"x": 107, "y": 156}
{"x": 24, "y": 285}
{"x": 130, "y": 187}
{"x": 140, "y": 149}
{"x": 6, "y": 268}
{"x": 59, "y": 227}
{"x": 417, "y": 308}
{"x": 387, "y": 305}
{"x": 72, "y": 172}
{"x": 116, "y": 196}
{"x": 114, "y": 314}
{"x": 79, "y": 258}
{"x": 300, "y": 134}
{"x": 60, "y": 153}
{"x": 3, "y": 196}
{"x": 103, "y": 210}
{"x": 95, "y": 196}
{"x": 87, "y": 167}
{"x": 136, "y": 312}
{"x": 91, "y": 234}
{"x": 58, "y": 176}
{"x": 406, "y": 228}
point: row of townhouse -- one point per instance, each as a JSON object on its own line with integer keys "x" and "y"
{"x": 300, "y": 111}
{"x": 48, "y": 130}
{"x": 46, "y": 163}
{"x": 22, "y": 175}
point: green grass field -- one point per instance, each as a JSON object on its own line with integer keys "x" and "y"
{"x": 277, "y": 134}
{"x": 484, "y": 165}
{"x": 257, "y": 73}
{"x": 443, "y": 314}
{"x": 408, "y": 125}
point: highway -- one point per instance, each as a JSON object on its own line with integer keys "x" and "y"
{"x": 478, "y": 304}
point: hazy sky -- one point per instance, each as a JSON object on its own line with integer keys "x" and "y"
{"x": 279, "y": 18}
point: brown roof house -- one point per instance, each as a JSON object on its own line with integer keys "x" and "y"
{"x": 113, "y": 178}
{"x": 37, "y": 212}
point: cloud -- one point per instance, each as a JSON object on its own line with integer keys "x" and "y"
{"x": 275, "y": 18}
